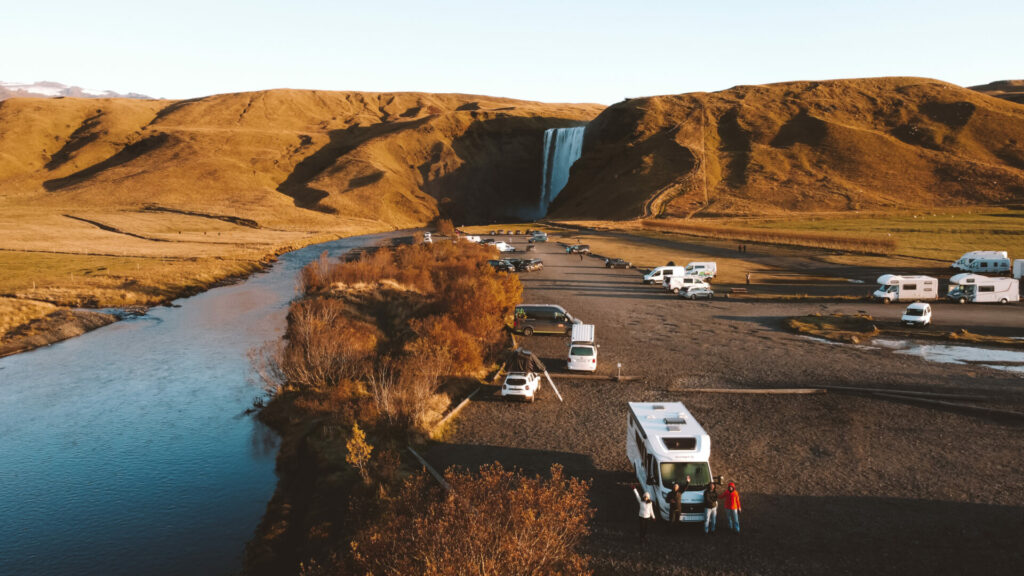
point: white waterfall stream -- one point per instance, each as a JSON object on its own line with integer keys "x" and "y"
{"x": 562, "y": 147}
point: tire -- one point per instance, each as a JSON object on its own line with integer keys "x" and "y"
{"x": 675, "y": 290}
{"x": 962, "y": 300}
{"x": 1003, "y": 301}
{"x": 886, "y": 301}
{"x": 528, "y": 331}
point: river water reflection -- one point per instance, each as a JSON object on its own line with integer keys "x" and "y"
{"x": 127, "y": 450}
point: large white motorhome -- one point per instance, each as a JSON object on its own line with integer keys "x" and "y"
{"x": 965, "y": 288}
{"x": 965, "y": 261}
{"x": 665, "y": 444}
{"x": 705, "y": 269}
{"x": 895, "y": 288}
{"x": 990, "y": 265}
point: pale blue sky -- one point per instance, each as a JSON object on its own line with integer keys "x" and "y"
{"x": 572, "y": 51}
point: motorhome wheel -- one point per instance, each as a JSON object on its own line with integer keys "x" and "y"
{"x": 962, "y": 300}
{"x": 675, "y": 290}
{"x": 528, "y": 331}
{"x": 1003, "y": 301}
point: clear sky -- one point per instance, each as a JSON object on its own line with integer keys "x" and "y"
{"x": 571, "y": 51}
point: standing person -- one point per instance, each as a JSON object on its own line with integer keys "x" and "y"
{"x": 675, "y": 501}
{"x": 731, "y": 498}
{"x": 646, "y": 512}
{"x": 710, "y": 508}
{"x": 748, "y": 278}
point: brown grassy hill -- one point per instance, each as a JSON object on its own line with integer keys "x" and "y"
{"x": 113, "y": 202}
{"x": 1012, "y": 90}
{"x": 800, "y": 146}
{"x": 281, "y": 156}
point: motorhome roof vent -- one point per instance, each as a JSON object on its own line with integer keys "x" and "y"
{"x": 658, "y": 407}
{"x": 675, "y": 421}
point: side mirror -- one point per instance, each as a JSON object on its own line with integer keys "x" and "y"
{"x": 719, "y": 479}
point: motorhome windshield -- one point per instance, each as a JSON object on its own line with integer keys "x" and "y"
{"x": 891, "y": 288}
{"x": 699, "y": 473}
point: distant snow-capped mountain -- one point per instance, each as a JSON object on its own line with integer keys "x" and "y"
{"x": 57, "y": 90}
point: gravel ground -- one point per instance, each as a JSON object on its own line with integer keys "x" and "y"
{"x": 830, "y": 483}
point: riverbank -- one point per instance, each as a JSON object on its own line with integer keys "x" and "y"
{"x": 45, "y": 293}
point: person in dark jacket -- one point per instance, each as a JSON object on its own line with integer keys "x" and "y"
{"x": 710, "y": 508}
{"x": 675, "y": 501}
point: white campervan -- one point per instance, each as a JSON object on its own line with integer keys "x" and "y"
{"x": 965, "y": 288}
{"x": 705, "y": 269}
{"x": 675, "y": 284}
{"x": 582, "y": 348}
{"x": 990, "y": 265}
{"x": 965, "y": 261}
{"x": 665, "y": 444}
{"x": 894, "y": 288}
{"x": 658, "y": 275}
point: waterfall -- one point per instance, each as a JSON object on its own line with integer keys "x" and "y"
{"x": 562, "y": 147}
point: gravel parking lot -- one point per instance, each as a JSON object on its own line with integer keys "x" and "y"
{"x": 831, "y": 483}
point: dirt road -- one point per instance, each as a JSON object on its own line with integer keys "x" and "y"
{"x": 831, "y": 483}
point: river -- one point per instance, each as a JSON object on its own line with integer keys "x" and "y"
{"x": 128, "y": 451}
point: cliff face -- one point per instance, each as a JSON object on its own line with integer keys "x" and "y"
{"x": 799, "y": 146}
{"x": 282, "y": 157}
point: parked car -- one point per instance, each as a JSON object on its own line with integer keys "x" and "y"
{"x": 582, "y": 349}
{"x": 502, "y": 265}
{"x": 695, "y": 292}
{"x": 617, "y": 263}
{"x": 521, "y": 384}
{"x": 917, "y": 314}
{"x": 578, "y": 249}
{"x": 538, "y": 237}
{"x": 542, "y": 318}
{"x": 677, "y": 284}
{"x": 534, "y": 265}
{"x": 504, "y": 247}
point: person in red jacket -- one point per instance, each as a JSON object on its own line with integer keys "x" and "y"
{"x": 731, "y": 500}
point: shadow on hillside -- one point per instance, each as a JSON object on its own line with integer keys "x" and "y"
{"x": 127, "y": 154}
{"x": 341, "y": 142}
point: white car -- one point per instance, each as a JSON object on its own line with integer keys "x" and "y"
{"x": 521, "y": 384}
{"x": 504, "y": 247}
{"x": 475, "y": 239}
{"x": 582, "y": 357}
{"x": 917, "y": 313}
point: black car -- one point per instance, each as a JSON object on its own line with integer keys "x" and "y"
{"x": 578, "y": 249}
{"x": 617, "y": 263}
{"x": 502, "y": 266}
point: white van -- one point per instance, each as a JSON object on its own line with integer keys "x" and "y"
{"x": 665, "y": 444}
{"x": 582, "y": 349}
{"x": 894, "y": 288}
{"x": 964, "y": 262}
{"x": 675, "y": 284}
{"x": 989, "y": 265}
{"x": 965, "y": 288}
{"x": 658, "y": 275}
{"x": 705, "y": 269}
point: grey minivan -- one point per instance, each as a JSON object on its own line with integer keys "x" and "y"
{"x": 542, "y": 319}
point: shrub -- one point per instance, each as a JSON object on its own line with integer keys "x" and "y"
{"x": 495, "y": 522}
{"x": 445, "y": 227}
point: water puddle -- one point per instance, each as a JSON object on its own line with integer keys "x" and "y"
{"x": 1009, "y": 360}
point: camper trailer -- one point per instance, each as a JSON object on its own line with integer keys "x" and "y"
{"x": 665, "y": 444}
{"x": 965, "y": 288}
{"x": 704, "y": 269}
{"x": 964, "y": 262}
{"x": 894, "y": 288}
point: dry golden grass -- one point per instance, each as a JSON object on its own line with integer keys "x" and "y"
{"x": 804, "y": 147}
{"x": 861, "y": 243}
{"x": 840, "y": 327}
{"x": 15, "y": 312}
